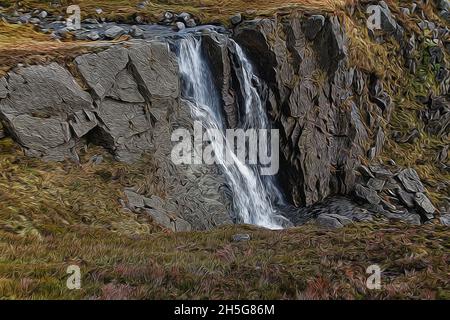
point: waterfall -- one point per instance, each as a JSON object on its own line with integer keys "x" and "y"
{"x": 252, "y": 194}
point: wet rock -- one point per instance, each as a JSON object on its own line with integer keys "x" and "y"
{"x": 43, "y": 14}
{"x": 367, "y": 194}
{"x": 332, "y": 221}
{"x": 180, "y": 26}
{"x": 411, "y": 181}
{"x": 241, "y": 238}
{"x": 425, "y": 205}
{"x": 114, "y": 32}
{"x": 184, "y": 17}
{"x": 236, "y": 19}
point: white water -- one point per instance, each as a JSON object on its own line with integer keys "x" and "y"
{"x": 251, "y": 193}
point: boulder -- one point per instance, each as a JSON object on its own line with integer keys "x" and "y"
{"x": 43, "y": 105}
{"x": 313, "y": 25}
{"x": 114, "y": 32}
{"x": 332, "y": 221}
{"x": 411, "y": 181}
{"x": 425, "y": 205}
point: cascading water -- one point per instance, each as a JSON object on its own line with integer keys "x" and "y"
{"x": 252, "y": 193}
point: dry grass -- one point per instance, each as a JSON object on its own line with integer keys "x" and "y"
{"x": 21, "y": 44}
{"x": 206, "y": 10}
{"x": 37, "y": 197}
{"x": 303, "y": 263}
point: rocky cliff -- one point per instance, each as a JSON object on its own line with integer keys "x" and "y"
{"x": 333, "y": 113}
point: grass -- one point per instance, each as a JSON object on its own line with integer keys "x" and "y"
{"x": 303, "y": 263}
{"x": 53, "y": 215}
{"x": 206, "y": 10}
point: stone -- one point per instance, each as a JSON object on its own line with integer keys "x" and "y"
{"x": 114, "y": 32}
{"x": 411, "y": 181}
{"x": 39, "y": 107}
{"x": 332, "y": 221}
{"x": 100, "y": 70}
{"x": 43, "y": 14}
{"x": 191, "y": 23}
{"x": 139, "y": 19}
{"x": 376, "y": 184}
{"x": 425, "y": 205}
{"x": 367, "y": 194}
{"x": 313, "y": 25}
{"x": 161, "y": 218}
{"x": 136, "y": 32}
{"x": 180, "y": 26}
{"x": 445, "y": 220}
{"x": 93, "y": 35}
{"x": 135, "y": 200}
{"x": 184, "y": 17}
{"x": 241, "y": 238}
{"x": 406, "y": 198}
{"x": 99, "y": 11}
{"x": 236, "y": 19}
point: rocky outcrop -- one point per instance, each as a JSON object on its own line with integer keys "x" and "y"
{"x": 319, "y": 102}
{"x": 131, "y": 106}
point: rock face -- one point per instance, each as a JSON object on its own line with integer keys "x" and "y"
{"x": 46, "y": 110}
{"x": 317, "y": 101}
{"x": 131, "y": 106}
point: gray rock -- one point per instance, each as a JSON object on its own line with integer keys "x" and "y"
{"x": 445, "y": 220}
{"x": 240, "y": 237}
{"x": 182, "y": 225}
{"x": 93, "y": 35}
{"x": 135, "y": 200}
{"x": 161, "y": 218}
{"x": 411, "y": 181}
{"x": 114, "y": 32}
{"x": 43, "y": 14}
{"x": 376, "y": 184}
{"x": 332, "y": 221}
{"x": 180, "y": 26}
{"x": 139, "y": 19}
{"x": 191, "y": 23}
{"x": 184, "y": 17}
{"x": 425, "y": 205}
{"x": 40, "y": 102}
{"x": 100, "y": 70}
{"x": 313, "y": 26}
{"x": 154, "y": 202}
{"x": 236, "y": 19}
{"x": 136, "y": 32}
{"x": 367, "y": 194}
